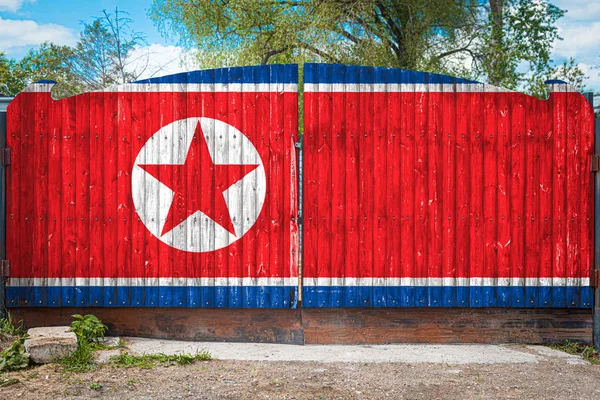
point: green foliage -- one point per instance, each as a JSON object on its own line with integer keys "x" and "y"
{"x": 89, "y": 329}
{"x": 148, "y": 361}
{"x": 9, "y": 328}
{"x": 4, "y": 382}
{"x": 95, "y": 386}
{"x": 587, "y": 352}
{"x": 486, "y": 40}
{"x": 408, "y": 34}
{"x": 15, "y": 357}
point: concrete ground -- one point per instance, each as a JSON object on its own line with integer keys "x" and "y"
{"x": 272, "y": 371}
{"x": 397, "y": 353}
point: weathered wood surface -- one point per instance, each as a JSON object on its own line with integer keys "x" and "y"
{"x": 334, "y": 326}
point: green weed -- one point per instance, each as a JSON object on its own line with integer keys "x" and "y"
{"x": 9, "y": 328}
{"x": 587, "y": 352}
{"x": 148, "y": 361}
{"x": 4, "y": 382}
{"x": 15, "y": 357}
{"x": 89, "y": 330}
{"x": 95, "y": 386}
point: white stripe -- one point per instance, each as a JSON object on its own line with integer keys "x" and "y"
{"x": 204, "y": 87}
{"x": 494, "y": 282}
{"x": 182, "y": 87}
{"x": 187, "y": 282}
{"x": 401, "y": 87}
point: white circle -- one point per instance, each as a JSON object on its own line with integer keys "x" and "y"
{"x": 169, "y": 146}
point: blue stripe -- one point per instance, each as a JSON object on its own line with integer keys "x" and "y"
{"x": 334, "y": 73}
{"x": 154, "y": 296}
{"x": 447, "y": 296}
{"x": 285, "y": 73}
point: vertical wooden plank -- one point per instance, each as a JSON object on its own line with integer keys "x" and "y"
{"x": 435, "y": 207}
{"x": 81, "y": 138}
{"x": 399, "y": 156}
{"x": 546, "y": 161}
{"x": 532, "y": 225}
{"x": 404, "y": 248}
{"x": 276, "y": 175}
{"x": 421, "y": 196}
{"x": 353, "y": 262}
{"x": 15, "y": 124}
{"x": 490, "y": 216}
{"x": 477, "y": 191}
{"x": 234, "y": 156}
{"x": 504, "y": 242}
{"x": 180, "y": 150}
{"x": 292, "y": 123}
{"x": 339, "y": 216}
{"x": 68, "y": 204}
{"x": 366, "y": 186}
{"x": 96, "y": 196}
{"x": 111, "y": 121}
{"x": 123, "y": 212}
{"x": 166, "y": 149}
{"x": 55, "y": 193}
{"x": 152, "y": 244}
{"x": 586, "y": 208}
{"x": 449, "y": 189}
{"x": 573, "y": 177}
{"x": 379, "y": 214}
{"x": 517, "y": 198}
{"x": 39, "y": 184}
{"x": 249, "y": 116}
{"x": 463, "y": 193}
{"x": 325, "y": 170}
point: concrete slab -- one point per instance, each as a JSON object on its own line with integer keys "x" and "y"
{"x": 47, "y": 344}
{"x": 401, "y": 353}
{"x": 572, "y": 359}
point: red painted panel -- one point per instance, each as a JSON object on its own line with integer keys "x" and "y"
{"x": 462, "y": 194}
{"x": 82, "y": 207}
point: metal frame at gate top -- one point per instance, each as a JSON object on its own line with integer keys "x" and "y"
{"x": 596, "y": 264}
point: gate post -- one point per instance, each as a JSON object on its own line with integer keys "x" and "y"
{"x": 593, "y": 283}
{"x": 3, "y": 104}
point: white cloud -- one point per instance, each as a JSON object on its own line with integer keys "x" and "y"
{"x": 12, "y": 5}
{"x": 580, "y": 30}
{"x": 580, "y": 40}
{"x": 586, "y": 10}
{"x": 17, "y": 34}
{"x": 158, "y": 60}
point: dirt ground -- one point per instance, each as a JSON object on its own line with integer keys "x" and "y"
{"x": 552, "y": 379}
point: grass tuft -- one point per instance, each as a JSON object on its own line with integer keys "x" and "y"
{"x": 587, "y": 352}
{"x": 148, "y": 361}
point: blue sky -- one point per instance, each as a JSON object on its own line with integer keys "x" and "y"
{"x": 26, "y": 23}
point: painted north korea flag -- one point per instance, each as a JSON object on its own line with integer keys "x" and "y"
{"x": 424, "y": 190}
{"x": 177, "y": 191}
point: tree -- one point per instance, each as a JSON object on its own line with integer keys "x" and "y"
{"x": 101, "y": 58}
{"x": 48, "y": 62}
{"x": 405, "y": 34}
{"x": 486, "y": 40}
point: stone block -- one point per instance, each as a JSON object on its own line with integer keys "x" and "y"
{"x": 47, "y": 344}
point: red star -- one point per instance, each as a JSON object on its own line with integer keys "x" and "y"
{"x": 212, "y": 180}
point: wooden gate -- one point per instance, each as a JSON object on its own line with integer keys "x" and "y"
{"x": 423, "y": 190}
{"x": 170, "y": 192}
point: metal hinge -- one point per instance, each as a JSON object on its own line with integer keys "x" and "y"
{"x": 595, "y": 278}
{"x": 4, "y": 268}
{"x": 6, "y": 156}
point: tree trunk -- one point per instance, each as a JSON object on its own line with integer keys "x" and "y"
{"x": 496, "y": 43}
